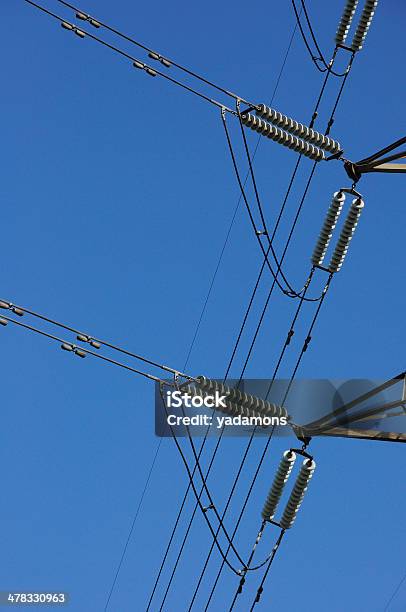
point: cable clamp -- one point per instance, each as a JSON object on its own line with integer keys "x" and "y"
{"x": 259, "y": 593}
{"x": 306, "y": 343}
{"x": 291, "y": 333}
{"x": 242, "y": 582}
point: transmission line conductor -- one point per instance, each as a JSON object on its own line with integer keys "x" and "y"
{"x": 278, "y": 485}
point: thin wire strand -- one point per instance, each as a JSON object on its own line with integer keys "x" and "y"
{"x": 133, "y": 523}
{"x": 395, "y": 592}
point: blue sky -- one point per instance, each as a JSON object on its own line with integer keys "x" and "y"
{"x": 117, "y": 194}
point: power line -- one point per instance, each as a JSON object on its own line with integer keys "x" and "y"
{"x": 212, "y": 505}
{"x": 261, "y": 586}
{"x": 152, "y": 51}
{"x": 304, "y": 348}
{"x": 230, "y": 361}
{"x": 307, "y": 186}
{"x": 244, "y": 459}
{"x": 85, "y": 337}
{"x": 137, "y": 63}
{"x": 319, "y": 51}
{"x": 160, "y": 441}
{"x": 265, "y": 259}
{"x": 314, "y": 58}
{"x": 70, "y": 26}
{"x": 83, "y": 352}
{"x": 82, "y": 349}
{"x": 157, "y": 380}
{"x": 291, "y": 293}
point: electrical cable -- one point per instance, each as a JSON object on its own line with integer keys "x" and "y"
{"x": 314, "y": 58}
{"x": 319, "y": 51}
{"x": 84, "y": 350}
{"x": 223, "y": 108}
{"x": 221, "y": 524}
{"x": 230, "y": 361}
{"x": 97, "y": 39}
{"x": 87, "y": 351}
{"x": 395, "y": 592}
{"x": 160, "y": 441}
{"x": 155, "y": 379}
{"x": 274, "y": 275}
{"x": 292, "y": 292}
{"x": 149, "y": 50}
{"x": 286, "y": 344}
{"x": 304, "y": 349}
{"x": 330, "y": 122}
{"x": 94, "y": 339}
{"x": 90, "y": 352}
{"x": 100, "y": 41}
{"x": 197, "y": 497}
{"x": 283, "y": 255}
{"x": 261, "y": 586}
{"x": 143, "y": 65}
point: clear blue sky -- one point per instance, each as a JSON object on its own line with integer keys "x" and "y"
{"x": 117, "y": 192}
